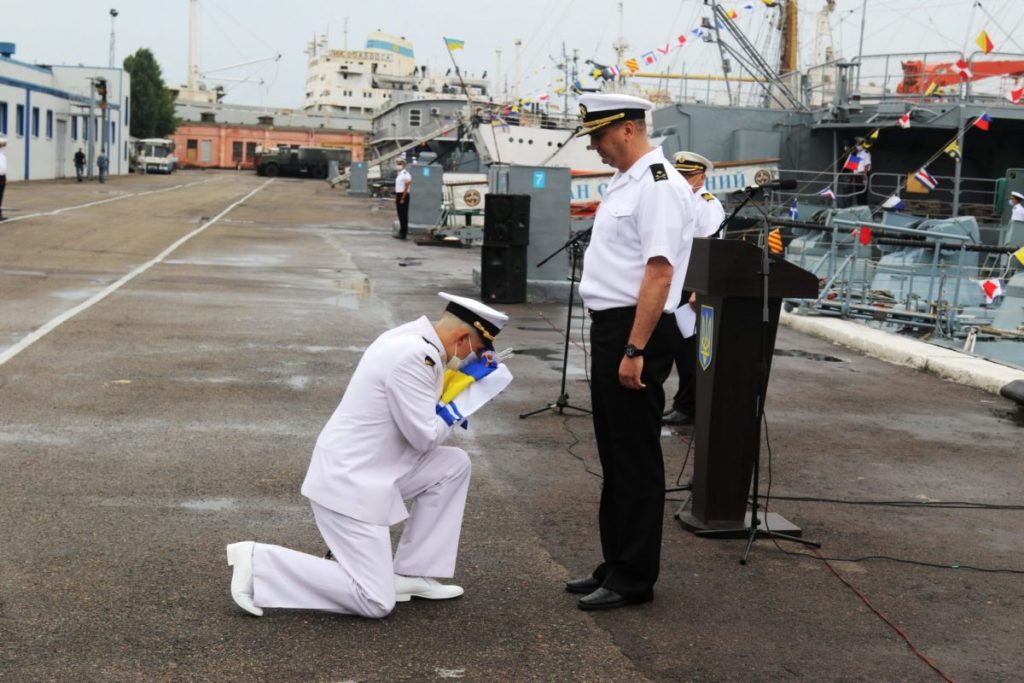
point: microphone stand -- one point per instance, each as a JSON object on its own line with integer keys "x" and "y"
{"x": 562, "y": 402}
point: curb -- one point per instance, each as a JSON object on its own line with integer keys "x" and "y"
{"x": 956, "y": 366}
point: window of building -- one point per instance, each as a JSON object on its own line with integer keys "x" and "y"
{"x": 414, "y": 117}
{"x": 85, "y": 128}
{"x": 74, "y": 127}
{"x": 35, "y": 122}
{"x": 250, "y": 151}
{"x": 49, "y": 123}
{"x": 3, "y": 118}
{"x": 19, "y": 122}
{"x": 236, "y": 151}
{"x": 113, "y": 132}
{"x": 126, "y": 122}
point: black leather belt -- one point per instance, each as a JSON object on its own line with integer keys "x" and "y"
{"x": 613, "y": 314}
{"x": 610, "y": 314}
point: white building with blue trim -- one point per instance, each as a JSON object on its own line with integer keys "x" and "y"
{"x": 48, "y": 112}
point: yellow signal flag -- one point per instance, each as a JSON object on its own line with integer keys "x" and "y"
{"x": 1019, "y": 255}
{"x": 775, "y": 242}
{"x": 933, "y": 87}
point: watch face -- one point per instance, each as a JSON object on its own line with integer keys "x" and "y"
{"x": 632, "y": 351}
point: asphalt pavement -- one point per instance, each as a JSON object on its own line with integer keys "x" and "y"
{"x": 170, "y": 347}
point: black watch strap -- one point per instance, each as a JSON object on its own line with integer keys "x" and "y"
{"x": 632, "y": 351}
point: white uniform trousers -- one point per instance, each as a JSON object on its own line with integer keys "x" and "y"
{"x": 360, "y": 580}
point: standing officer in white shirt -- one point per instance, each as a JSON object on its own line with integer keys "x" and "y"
{"x": 710, "y": 213}
{"x": 402, "y": 184}
{"x": 381, "y": 446}
{"x": 632, "y": 280}
{"x": 1016, "y": 201}
{"x": 3, "y": 173}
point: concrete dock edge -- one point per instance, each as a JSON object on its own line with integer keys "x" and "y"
{"x": 956, "y": 366}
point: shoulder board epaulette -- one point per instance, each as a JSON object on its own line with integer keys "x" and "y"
{"x": 707, "y": 196}
{"x": 427, "y": 360}
{"x": 431, "y": 343}
{"x": 658, "y": 171}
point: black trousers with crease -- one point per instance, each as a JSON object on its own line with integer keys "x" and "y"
{"x": 627, "y": 427}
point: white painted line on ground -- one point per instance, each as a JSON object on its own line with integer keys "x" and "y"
{"x": 15, "y": 219}
{"x": 41, "y": 332}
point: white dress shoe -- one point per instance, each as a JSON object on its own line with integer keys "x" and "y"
{"x": 240, "y": 557}
{"x": 408, "y": 587}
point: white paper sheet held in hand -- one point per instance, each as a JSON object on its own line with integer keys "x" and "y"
{"x": 686, "y": 320}
{"x": 483, "y": 390}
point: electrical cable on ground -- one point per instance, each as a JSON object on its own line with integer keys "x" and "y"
{"x": 902, "y": 634}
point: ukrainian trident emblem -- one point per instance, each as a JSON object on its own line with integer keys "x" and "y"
{"x": 706, "y": 338}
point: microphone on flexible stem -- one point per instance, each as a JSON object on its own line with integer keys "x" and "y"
{"x": 786, "y": 184}
{"x": 749, "y": 193}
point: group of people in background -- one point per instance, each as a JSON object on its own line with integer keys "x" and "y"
{"x": 102, "y": 166}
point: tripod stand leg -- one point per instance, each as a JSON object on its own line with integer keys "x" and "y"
{"x": 562, "y": 402}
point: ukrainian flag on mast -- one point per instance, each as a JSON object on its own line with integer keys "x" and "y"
{"x": 454, "y": 44}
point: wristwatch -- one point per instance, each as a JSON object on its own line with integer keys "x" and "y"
{"x": 632, "y": 351}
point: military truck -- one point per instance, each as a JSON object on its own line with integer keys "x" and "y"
{"x": 302, "y": 162}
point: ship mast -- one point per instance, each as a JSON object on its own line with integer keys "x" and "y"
{"x": 620, "y": 45}
{"x": 193, "y": 45}
{"x": 790, "y": 38}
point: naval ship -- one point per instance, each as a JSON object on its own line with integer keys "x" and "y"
{"x": 939, "y": 262}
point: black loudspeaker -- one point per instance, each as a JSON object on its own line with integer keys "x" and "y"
{"x": 507, "y": 219}
{"x": 502, "y": 274}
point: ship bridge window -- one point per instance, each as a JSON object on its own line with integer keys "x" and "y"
{"x": 414, "y": 117}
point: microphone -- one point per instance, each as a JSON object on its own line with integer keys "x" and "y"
{"x": 785, "y": 184}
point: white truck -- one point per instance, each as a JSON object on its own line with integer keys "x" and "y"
{"x": 155, "y": 155}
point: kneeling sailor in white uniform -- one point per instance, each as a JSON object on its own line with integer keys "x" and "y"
{"x": 381, "y": 446}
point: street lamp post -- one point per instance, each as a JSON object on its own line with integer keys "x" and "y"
{"x": 113, "y": 15}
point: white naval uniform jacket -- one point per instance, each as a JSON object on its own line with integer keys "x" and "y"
{"x": 710, "y": 212}
{"x": 647, "y": 211}
{"x": 385, "y": 422}
{"x": 1018, "y": 212}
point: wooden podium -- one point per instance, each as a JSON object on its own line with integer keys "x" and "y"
{"x": 727, "y": 277}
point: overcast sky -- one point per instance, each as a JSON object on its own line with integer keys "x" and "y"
{"x": 237, "y": 31}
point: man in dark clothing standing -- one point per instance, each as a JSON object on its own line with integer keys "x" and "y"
{"x": 79, "y": 164}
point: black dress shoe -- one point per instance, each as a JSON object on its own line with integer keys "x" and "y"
{"x": 677, "y": 418}
{"x": 582, "y": 586}
{"x": 603, "y": 598}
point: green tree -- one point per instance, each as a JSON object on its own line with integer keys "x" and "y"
{"x": 152, "y": 107}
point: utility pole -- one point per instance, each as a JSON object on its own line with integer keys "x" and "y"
{"x": 113, "y": 15}
{"x": 515, "y": 75}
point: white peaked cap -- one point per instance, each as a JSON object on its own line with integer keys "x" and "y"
{"x": 487, "y": 321}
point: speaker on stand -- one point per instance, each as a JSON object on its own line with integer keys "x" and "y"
{"x": 503, "y": 256}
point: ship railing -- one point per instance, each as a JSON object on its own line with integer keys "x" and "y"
{"x": 534, "y": 115}
{"x": 978, "y": 197}
{"x": 918, "y": 79}
{"x": 931, "y": 294}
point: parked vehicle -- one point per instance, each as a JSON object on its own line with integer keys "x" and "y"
{"x": 155, "y": 155}
{"x": 303, "y": 162}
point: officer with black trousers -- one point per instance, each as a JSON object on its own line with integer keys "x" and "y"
{"x": 632, "y": 281}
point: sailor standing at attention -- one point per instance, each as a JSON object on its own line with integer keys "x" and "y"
{"x": 632, "y": 280}
{"x": 1016, "y": 201}
{"x": 710, "y": 213}
{"x": 381, "y": 446}
{"x": 402, "y": 184}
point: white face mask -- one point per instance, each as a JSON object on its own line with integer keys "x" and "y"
{"x": 456, "y": 363}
